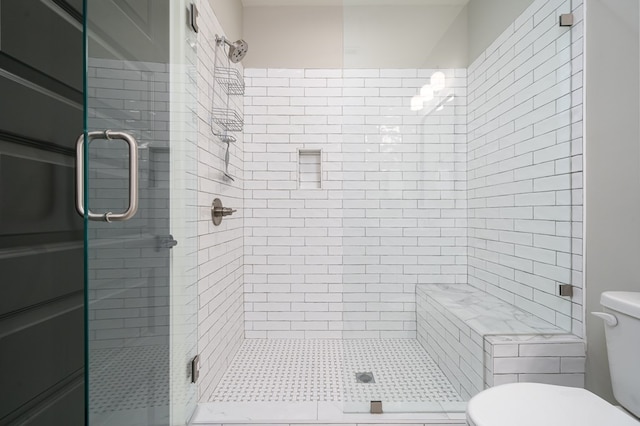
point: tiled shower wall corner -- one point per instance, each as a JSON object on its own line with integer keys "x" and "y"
{"x": 343, "y": 261}
{"x": 220, "y": 249}
{"x": 525, "y": 164}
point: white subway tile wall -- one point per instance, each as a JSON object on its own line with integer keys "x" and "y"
{"x": 220, "y": 249}
{"x": 525, "y": 164}
{"x": 343, "y": 261}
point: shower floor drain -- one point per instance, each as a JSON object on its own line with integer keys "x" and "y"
{"x": 365, "y": 377}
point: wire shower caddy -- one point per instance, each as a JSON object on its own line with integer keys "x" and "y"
{"x": 231, "y": 82}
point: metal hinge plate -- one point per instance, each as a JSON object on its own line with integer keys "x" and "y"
{"x": 193, "y": 17}
{"x": 565, "y": 290}
{"x": 195, "y": 368}
{"x": 166, "y": 241}
{"x": 376, "y": 407}
{"x": 566, "y": 20}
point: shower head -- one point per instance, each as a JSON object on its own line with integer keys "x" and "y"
{"x": 237, "y": 49}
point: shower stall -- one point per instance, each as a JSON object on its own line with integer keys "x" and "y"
{"x": 393, "y": 231}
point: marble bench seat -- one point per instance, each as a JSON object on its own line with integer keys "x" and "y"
{"x": 479, "y": 340}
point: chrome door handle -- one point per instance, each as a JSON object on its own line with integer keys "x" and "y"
{"x": 133, "y": 176}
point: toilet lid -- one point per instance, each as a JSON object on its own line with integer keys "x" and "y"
{"x": 533, "y": 404}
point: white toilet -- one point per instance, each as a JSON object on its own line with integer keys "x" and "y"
{"x": 533, "y": 404}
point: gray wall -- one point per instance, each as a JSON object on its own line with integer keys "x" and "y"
{"x": 612, "y": 167}
{"x": 356, "y": 36}
{"x": 293, "y": 37}
{"x": 312, "y": 37}
{"x": 230, "y": 14}
{"x": 488, "y": 19}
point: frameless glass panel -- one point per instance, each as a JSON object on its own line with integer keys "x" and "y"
{"x": 141, "y": 270}
{"x": 457, "y": 194}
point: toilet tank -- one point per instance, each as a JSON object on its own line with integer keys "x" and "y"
{"x": 623, "y": 346}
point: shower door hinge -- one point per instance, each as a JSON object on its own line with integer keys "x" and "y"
{"x": 165, "y": 241}
{"x": 566, "y": 20}
{"x": 193, "y": 17}
{"x": 565, "y": 290}
{"x": 195, "y": 368}
{"x": 376, "y": 407}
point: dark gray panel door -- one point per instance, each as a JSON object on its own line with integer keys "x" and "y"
{"x": 41, "y": 240}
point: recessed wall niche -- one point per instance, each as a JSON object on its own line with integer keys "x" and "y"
{"x": 310, "y": 169}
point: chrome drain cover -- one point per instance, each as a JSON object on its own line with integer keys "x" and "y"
{"x": 365, "y": 377}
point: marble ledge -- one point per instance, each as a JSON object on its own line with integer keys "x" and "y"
{"x": 484, "y": 313}
{"x": 533, "y": 338}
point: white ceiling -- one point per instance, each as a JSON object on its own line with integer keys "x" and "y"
{"x": 250, "y": 3}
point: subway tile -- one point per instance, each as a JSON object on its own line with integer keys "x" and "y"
{"x": 507, "y": 164}
{"x": 571, "y": 380}
{"x": 526, "y": 365}
{"x": 572, "y": 364}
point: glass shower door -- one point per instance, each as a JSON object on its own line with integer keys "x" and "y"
{"x": 463, "y": 156}
{"x": 137, "y": 193}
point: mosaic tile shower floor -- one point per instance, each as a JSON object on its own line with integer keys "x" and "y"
{"x": 290, "y": 370}
{"x": 129, "y": 378}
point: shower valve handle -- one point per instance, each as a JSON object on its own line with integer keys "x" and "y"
{"x": 223, "y": 211}
{"x": 218, "y": 211}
